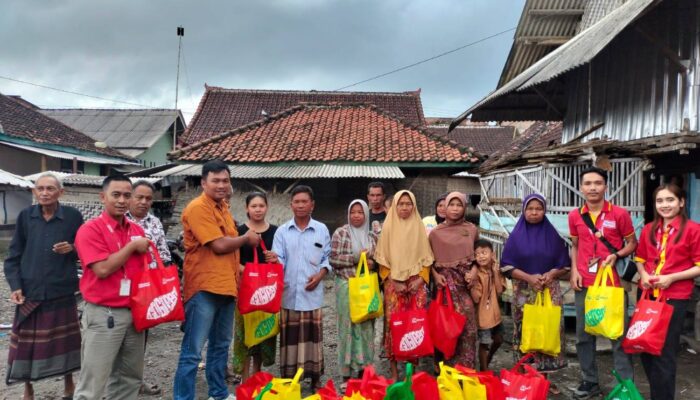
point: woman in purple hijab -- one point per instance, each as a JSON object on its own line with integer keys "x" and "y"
{"x": 535, "y": 257}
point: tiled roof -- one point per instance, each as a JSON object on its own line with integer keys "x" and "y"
{"x": 329, "y": 132}
{"x": 221, "y": 110}
{"x": 540, "y": 136}
{"x": 485, "y": 140}
{"x": 21, "y": 122}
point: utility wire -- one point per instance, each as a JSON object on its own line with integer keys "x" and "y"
{"x": 75, "y": 93}
{"x": 426, "y": 60}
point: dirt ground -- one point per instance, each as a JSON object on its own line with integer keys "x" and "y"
{"x": 164, "y": 344}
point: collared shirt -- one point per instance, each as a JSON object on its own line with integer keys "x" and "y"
{"x": 203, "y": 221}
{"x": 95, "y": 241}
{"x": 672, "y": 257}
{"x": 32, "y": 265}
{"x": 613, "y": 222}
{"x": 302, "y": 253}
{"x": 154, "y": 231}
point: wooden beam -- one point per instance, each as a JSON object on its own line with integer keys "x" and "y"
{"x": 566, "y": 12}
{"x": 663, "y": 48}
{"x": 587, "y": 132}
{"x": 544, "y": 40}
{"x": 668, "y": 149}
{"x": 548, "y": 101}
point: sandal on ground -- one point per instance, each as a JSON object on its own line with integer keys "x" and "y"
{"x": 343, "y": 387}
{"x": 233, "y": 379}
{"x": 150, "y": 390}
{"x": 553, "y": 389}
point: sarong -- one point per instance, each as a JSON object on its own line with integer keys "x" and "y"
{"x": 301, "y": 343}
{"x": 45, "y": 340}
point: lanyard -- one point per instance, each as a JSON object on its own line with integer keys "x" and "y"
{"x": 661, "y": 247}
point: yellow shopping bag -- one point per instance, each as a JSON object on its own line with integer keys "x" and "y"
{"x": 259, "y": 326}
{"x": 540, "y": 327}
{"x": 605, "y": 306}
{"x": 453, "y": 385}
{"x": 282, "y": 389}
{"x": 365, "y": 298}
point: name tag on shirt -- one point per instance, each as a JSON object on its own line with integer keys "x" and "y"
{"x": 609, "y": 224}
{"x": 125, "y": 287}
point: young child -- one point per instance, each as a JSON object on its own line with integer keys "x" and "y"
{"x": 485, "y": 291}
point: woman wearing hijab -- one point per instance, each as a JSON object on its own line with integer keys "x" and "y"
{"x": 453, "y": 246}
{"x": 431, "y": 221}
{"x": 404, "y": 256}
{"x": 535, "y": 257}
{"x": 356, "y": 344}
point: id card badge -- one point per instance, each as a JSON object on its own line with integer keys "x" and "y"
{"x": 593, "y": 265}
{"x": 125, "y": 287}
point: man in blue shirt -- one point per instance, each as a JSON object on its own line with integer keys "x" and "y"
{"x": 302, "y": 245}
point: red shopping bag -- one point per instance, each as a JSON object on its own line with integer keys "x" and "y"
{"x": 410, "y": 333}
{"x": 246, "y": 390}
{"x": 424, "y": 386}
{"x": 494, "y": 386}
{"x": 530, "y": 385}
{"x": 371, "y": 386}
{"x": 155, "y": 295}
{"x": 261, "y": 286}
{"x": 445, "y": 323}
{"x": 648, "y": 326}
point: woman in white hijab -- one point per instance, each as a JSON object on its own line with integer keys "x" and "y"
{"x": 356, "y": 344}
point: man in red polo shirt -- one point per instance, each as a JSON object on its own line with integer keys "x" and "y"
{"x": 588, "y": 253}
{"x": 111, "y": 251}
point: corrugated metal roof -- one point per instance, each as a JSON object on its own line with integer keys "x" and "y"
{"x": 70, "y": 156}
{"x": 8, "y": 178}
{"x": 292, "y": 171}
{"x": 119, "y": 128}
{"x": 84, "y": 180}
{"x": 577, "y": 51}
{"x": 536, "y": 27}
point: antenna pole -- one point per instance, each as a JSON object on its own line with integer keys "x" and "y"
{"x": 180, "y": 34}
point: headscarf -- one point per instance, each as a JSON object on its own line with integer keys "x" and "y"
{"x": 438, "y": 218}
{"x": 403, "y": 246}
{"x": 453, "y": 243}
{"x": 535, "y": 248}
{"x": 359, "y": 236}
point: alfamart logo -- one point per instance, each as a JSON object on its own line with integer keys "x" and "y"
{"x": 412, "y": 340}
{"x": 264, "y": 295}
{"x": 162, "y": 305}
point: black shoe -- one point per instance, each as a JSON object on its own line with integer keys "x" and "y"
{"x": 586, "y": 390}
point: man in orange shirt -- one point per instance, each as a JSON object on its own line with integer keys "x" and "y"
{"x": 210, "y": 289}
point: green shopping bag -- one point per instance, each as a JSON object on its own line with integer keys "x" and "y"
{"x": 402, "y": 390}
{"x": 625, "y": 390}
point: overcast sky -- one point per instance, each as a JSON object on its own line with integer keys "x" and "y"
{"x": 127, "y": 50}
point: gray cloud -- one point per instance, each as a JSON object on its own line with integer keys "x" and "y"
{"x": 127, "y": 50}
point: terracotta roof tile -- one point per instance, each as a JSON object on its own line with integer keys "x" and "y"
{"x": 484, "y": 140}
{"x": 323, "y": 132}
{"x": 539, "y": 136}
{"x": 20, "y": 121}
{"x": 221, "y": 110}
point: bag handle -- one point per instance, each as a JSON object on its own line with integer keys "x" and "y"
{"x": 440, "y": 296}
{"x": 547, "y": 298}
{"x": 255, "y": 250}
{"x": 646, "y": 295}
{"x": 362, "y": 265}
{"x": 448, "y": 294}
{"x": 522, "y": 361}
{"x": 608, "y": 276}
{"x": 154, "y": 255}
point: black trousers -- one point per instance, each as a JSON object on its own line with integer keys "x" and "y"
{"x": 661, "y": 370}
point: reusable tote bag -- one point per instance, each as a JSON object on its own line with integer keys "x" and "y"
{"x": 259, "y": 326}
{"x": 605, "y": 306}
{"x": 410, "y": 334}
{"x": 540, "y": 328}
{"x": 530, "y": 385}
{"x": 453, "y": 384}
{"x": 648, "y": 326}
{"x": 155, "y": 295}
{"x": 261, "y": 286}
{"x": 625, "y": 390}
{"x": 445, "y": 323}
{"x": 365, "y": 299}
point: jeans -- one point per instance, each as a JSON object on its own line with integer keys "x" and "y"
{"x": 661, "y": 370}
{"x": 586, "y": 345}
{"x": 208, "y": 316}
